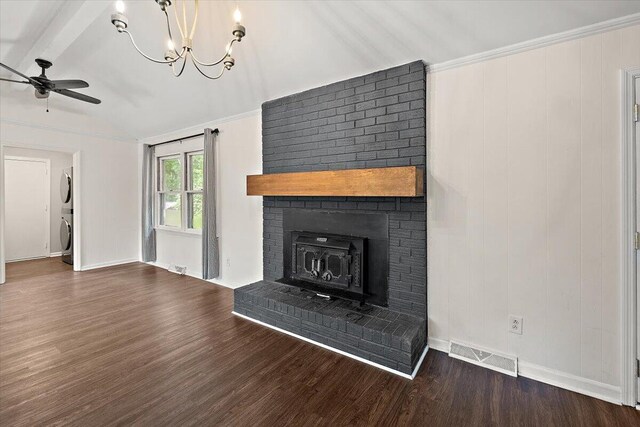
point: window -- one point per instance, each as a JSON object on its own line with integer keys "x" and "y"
{"x": 179, "y": 191}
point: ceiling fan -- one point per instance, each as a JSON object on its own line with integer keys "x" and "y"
{"x": 43, "y": 86}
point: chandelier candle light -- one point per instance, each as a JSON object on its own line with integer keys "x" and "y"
{"x": 172, "y": 56}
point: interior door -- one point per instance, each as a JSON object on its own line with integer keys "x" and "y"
{"x": 26, "y": 209}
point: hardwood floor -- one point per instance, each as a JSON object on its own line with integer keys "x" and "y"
{"x": 135, "y": 344}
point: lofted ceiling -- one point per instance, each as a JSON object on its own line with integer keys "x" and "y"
{"x": 290, "y": 46}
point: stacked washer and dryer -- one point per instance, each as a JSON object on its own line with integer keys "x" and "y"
{"x": 66, "y": 226}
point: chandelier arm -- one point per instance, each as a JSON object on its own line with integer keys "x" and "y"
{"x": 201, "y": 72}
{"x": 184, "y": 62}
{"x": 170, "y": 34}
{"x": 147, "y": 56}
{"x": 211, "y": 64}
{"x": 184, "y": 16}
{"x": 175, "y": 10}
{"x": 195, "y": 21}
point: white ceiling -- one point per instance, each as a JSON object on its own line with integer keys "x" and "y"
{"x": 290, "y": 46}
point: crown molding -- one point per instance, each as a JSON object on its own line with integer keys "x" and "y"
{"x": 67, "y": 131}
{"x": 197, "y": 128}
{"x": 577, "y": 33}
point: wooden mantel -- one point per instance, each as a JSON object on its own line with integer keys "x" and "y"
{"x": 403, "y": 181}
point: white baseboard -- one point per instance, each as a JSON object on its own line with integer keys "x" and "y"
{"x": 553, "y": 377}
{"x": 167, "y": 267}
{"x": 55, "y": 254}
{"x": 571, "y": 382}
{"x": 212, "y": 281}
{"x": 25, "y": 259}
{"x": 226, "y": 285}
{"x": 344, "y": 353}
{"x": 438, "y": 344}
{"x": 108, "y": 264}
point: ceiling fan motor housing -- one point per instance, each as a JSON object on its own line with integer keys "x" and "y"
{"x": 41, "y": 94}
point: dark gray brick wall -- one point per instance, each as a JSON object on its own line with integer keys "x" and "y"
{"x": 375, "y": 120}
{"x": 369, "y": 121}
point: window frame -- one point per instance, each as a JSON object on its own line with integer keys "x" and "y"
{"x": 185, "y": 192}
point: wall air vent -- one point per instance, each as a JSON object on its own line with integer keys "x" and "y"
{"x": 180, "y": 269}
{"x": 487, "y": 359}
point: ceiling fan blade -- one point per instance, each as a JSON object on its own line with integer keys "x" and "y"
{"x": 76, "y": 95}
{"x": 68, "y": 84}
{"x": 14, "y": 81}
{"x": 32, "y": 81}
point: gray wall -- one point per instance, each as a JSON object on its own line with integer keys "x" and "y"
{"x": 59, "y": 161}
{"x": 375, "y": 120}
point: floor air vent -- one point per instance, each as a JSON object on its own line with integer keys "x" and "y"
{"x": 498, "y": 362}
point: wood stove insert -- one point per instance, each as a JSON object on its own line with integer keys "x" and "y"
{"x": 330, "y": 261}
{"x": 337, "y": 254}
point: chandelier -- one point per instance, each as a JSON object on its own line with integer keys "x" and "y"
{"x": 175, "y": 58}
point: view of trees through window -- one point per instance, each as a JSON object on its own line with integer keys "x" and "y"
{"x": 172, "y": 174}
{"x": 173, "y": 190}
{"x": 171, "y": 186}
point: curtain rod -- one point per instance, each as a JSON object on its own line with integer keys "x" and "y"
{"x": 182, "y": 139}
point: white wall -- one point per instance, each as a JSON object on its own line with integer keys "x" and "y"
{"x": 183, "y": 249}
{"x": 239, "y": 217}
{"x": 108, "y": 179}
{"x": 524, "y": 205}
{"x": 58, "y": 162}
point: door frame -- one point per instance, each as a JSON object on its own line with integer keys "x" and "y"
{"x": 47, "y": 194}
{"x": 77, "y": 202}
{"x": 628, "y": 253}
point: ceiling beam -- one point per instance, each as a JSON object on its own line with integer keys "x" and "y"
{"x": 64, "y": 28}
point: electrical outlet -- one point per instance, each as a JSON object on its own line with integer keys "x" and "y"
{"x": 228, "y": 262}
{"x": 515, "y": 324}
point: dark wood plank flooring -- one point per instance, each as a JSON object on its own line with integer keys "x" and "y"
{"x": 135, "y": 344}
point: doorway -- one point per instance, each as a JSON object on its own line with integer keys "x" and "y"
{"x": 62, "y": 214}
{"x": 27, "y": 207}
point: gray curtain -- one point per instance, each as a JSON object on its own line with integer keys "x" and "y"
{"x": 210, "y": 252}
{"x": 148, "y": 232}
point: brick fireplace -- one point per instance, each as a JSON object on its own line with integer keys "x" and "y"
{"x": 372, "y": 121}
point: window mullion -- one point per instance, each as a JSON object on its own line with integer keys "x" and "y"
{"x": 185, "y": 211}
{"x": 185, "y": 202}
